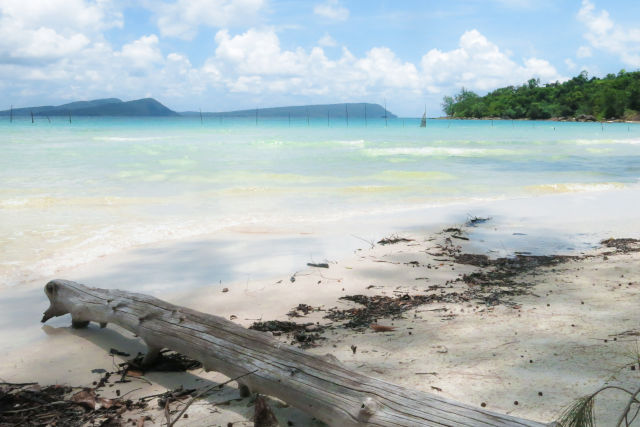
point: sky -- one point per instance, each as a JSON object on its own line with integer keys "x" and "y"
{"x": 221, "y": 55}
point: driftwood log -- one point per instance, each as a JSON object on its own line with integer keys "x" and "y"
{"x": 319, "y": 386}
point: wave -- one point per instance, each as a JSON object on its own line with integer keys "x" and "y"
{"x": 129, "y": 138}
{"x": 574, "y": 187}
{"x": 439, "y": 151}
{"x": 600, "y": 141}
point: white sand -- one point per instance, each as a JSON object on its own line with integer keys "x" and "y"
{"x": 478, "y": 354}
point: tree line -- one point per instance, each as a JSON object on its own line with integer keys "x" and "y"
{"x": 611, "y": 97}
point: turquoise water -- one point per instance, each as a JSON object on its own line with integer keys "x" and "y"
{"x": 70, "y": 193}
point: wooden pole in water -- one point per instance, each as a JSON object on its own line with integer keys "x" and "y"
{"x": 201, "y": 116}
{"x": 69, "y": 116}
{"x": 32, "y": 117}
{"x": 385, "y": 112}
{"x": 11, "y": 114}
{"x": 365, "y": 115}
{"x": 346, "y": 114}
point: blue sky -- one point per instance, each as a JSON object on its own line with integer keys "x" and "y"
{"x": 234, "y": 54}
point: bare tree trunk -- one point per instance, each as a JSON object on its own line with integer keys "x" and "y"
{"x": 316, "y": 385}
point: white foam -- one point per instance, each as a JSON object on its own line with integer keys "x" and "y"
{"x": 437, "y": 151}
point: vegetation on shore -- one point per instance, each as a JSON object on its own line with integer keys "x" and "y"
{"x": 609, "y": 98}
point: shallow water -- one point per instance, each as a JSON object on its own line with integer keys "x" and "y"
{"x": 70, "y": 193}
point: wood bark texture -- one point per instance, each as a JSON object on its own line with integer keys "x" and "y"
{"x": 319, "y": 386}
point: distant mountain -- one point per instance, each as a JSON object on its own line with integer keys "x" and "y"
{"x": 334, "y": 111}
{"x": 98, "y": 107}
{"x": 151, "y": 107}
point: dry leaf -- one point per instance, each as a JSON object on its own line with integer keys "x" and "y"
{"x": 86, "y": 398}
{"x": 106, "y": 403}
{"x": 382, "y": 328}
{"x": 134, "y": 373}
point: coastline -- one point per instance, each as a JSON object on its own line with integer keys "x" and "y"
{"x": 551, "y": 119}
{"x": 479, "y": 352}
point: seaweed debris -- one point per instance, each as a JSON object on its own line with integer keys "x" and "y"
{"x": 622, "y": 245}
{"x": 304, "y": 335}
{"x": 475, "y": 220}
{"x": 498, "y": 279}
{"x": 301, "y": 310}
{"x": 32, "y": 405}
{"x": 379, "y": 306}
{"x": 392, "y": 240}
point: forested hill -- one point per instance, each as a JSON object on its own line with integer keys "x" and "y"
{"x": 97, "y": 107}
{"x": 612, "y": 97}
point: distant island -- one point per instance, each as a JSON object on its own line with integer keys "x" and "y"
{"x": 614, "y": 97}
{"x": 333, "y": 111}
{"x": 149, "y": 107}
{"x": 98, "y": 107}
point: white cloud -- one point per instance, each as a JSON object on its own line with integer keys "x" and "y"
{"x": 327, "y": 41}
{"x": 583, "y": 52}
{"x": 40, "y": 31}
{"x": 480, "y": 65}
{"x": 142, "y": 53}
{"x": 182, "y": 18}
{"x": 604, "y": 34}
{"x": 332, "y": 9}
{"x": 254, "y": 63}
{"x": 570, "y": 64}
{"x": 253, "y": 66}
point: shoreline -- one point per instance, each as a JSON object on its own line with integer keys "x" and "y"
{"x": 488, "y": 353}
{"x": 551, "y": 119}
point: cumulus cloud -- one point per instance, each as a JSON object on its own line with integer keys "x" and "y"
{"x": 332, "y": 9}
{"x": 479, "y": 64}
{"x": 183, "y": 18}
{"x": 604, "y": 34}
{"x": 254, "y": 62}
{"x": 41, "y": 31}
{"x": 142, "y": 53}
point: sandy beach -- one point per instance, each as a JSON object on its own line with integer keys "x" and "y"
{"x": 524, "y": 341}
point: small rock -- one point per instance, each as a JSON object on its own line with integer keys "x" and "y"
{"x": 225, "y": 289}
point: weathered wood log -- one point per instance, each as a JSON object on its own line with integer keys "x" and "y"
{"x": 319, "y": 386}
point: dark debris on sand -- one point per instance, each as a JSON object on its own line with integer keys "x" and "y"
{"x": 392, "y": 240}
{"x": 304, "y": 335}
{"x": 622, "y": 245}
{"x": 32, "y": 405}
{"x": 372, "y": 308}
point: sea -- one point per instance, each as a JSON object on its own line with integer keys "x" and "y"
{"x": 73, "y": 192}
